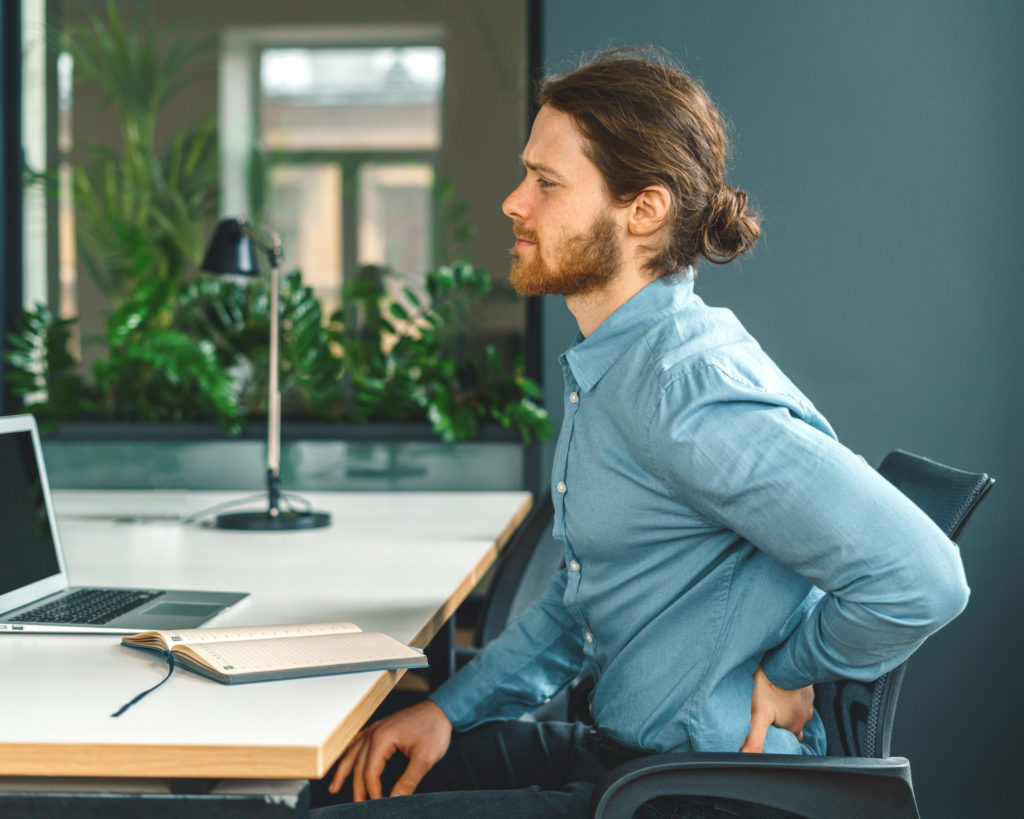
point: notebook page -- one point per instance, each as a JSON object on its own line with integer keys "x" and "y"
{"x": 191, "y": 636}
{"x": 314, "y": 651}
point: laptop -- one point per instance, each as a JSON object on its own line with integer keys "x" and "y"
{"x": 35, "y": 595}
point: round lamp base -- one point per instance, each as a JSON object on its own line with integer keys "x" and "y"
{"x": 264, "y": 522}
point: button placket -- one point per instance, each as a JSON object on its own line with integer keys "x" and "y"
{"x": 562, "y": 454}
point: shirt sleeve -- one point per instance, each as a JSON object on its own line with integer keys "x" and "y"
{"x": 773, "y": 474}
{"x": 529, "y": 662}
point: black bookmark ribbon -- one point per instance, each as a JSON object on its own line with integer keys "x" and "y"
{"x": 130, "y": 703}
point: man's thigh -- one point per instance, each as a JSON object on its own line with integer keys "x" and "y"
{"x": 508, "y": 769}
{"x": 518, "y": 803}
{"x": 515, "y": 754}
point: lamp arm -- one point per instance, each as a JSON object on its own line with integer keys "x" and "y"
{"x": 276, "y": 256}
{"x": 274, "y": 389}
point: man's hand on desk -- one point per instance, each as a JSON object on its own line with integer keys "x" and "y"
{"x": 421, "y": 732}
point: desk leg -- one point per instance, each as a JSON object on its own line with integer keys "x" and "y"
{"x": 441, "y": 654}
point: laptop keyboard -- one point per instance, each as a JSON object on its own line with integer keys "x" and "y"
{"x": 88, "y": 606}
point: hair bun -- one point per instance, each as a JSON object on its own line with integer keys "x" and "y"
{"x": 729, "y": 228}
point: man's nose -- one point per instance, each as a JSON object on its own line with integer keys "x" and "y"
{"x": 515, "y": 205}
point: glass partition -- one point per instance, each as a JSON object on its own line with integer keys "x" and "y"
{"x": 375, "y": 137}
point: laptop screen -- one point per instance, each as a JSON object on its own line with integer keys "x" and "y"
{"x": 28, "y": 553}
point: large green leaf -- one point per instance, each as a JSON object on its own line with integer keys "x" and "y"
{"x": 42, "y": 372}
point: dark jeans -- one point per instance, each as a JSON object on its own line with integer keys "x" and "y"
{"x": 515, "y": 770}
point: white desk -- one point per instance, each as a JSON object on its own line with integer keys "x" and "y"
{"x": 394, "y": 562}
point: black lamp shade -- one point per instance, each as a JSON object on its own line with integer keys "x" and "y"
{"x": 231, "y": 250}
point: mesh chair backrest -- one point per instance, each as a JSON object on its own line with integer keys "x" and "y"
{"x": 527, "y": 565}
{"x": 859, "y": 716}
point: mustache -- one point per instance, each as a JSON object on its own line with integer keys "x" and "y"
{"x": 520, "y": 231}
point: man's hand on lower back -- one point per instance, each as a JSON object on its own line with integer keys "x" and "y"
{"x": 421, "y": 732}
{"x": 770, "y": 705}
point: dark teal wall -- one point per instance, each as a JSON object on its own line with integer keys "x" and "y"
{"x": 883, "y": 142}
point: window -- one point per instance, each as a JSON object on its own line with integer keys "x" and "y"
{"x": 352, "y": 98}
{"x": 357, "y": 112}
{"x": 351, "y": 136}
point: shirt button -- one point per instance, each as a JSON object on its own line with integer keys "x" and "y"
{"x": 574, "y": 398}
{"x": 561, "y": 487}
{"x": 574, "y": 565}
{"x": 588, "y": 637}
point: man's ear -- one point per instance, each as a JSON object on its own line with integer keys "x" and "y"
{"x": 648, "y": 210}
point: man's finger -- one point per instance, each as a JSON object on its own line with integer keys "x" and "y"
{"x": 358, "y": 783}
{"x": 411, "y": 777}
{"x": 344, "y": 768}
{"x": 754, "y": 742}
{"x": 376, "y": 759}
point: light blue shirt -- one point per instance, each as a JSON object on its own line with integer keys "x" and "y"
{"x": 711, "y": 523}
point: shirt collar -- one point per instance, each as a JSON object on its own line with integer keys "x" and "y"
{"x": 591, "y": 357}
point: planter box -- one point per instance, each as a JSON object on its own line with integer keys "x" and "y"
{"x": 375, "y": 457}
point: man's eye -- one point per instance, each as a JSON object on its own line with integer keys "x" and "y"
{"x": 544, "y": 184}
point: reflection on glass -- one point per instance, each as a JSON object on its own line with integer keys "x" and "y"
{"x": 67, "y": 250}
{"x": 304, "y": 206}
{"x": 386, "y": 98}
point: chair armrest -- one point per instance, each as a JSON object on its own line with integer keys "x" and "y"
{"x": 814, "y": 787}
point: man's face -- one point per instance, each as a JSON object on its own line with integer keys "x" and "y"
{"x": 566, "y": 228}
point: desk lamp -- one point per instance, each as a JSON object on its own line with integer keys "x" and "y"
{"x": 232, "y": 250}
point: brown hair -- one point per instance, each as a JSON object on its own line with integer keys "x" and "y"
{"x": 647, "y": 123}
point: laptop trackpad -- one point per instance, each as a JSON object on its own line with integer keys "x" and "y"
{"x": 171, "y": 609}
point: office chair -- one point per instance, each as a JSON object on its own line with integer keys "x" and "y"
{"x": 858, "y": 777}
{"x": 524, "y": 571}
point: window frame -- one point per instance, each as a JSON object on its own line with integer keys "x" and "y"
{"x": 11, "y": 184}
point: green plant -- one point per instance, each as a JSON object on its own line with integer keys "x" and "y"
{"x": 381, "y": 357}
{"x": 235, "y": 318}
{"x": 42, "y": 371}
{"x": 140, "y": 211}
{"x": 182, "y": 347}
{"x": 140, "y": 219}
{"x": 400, "y": 357}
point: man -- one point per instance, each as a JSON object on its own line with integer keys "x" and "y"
{"x": 723, "y": 551}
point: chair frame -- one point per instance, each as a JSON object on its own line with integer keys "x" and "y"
{"x": 823, "y": 787}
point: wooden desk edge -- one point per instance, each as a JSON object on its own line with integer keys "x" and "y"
{"x": 241, "y": 762}
{"x": 350, "y": 726}
{"x": 158, "y": 761}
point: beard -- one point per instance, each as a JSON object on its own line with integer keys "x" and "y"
{"x": 585, "y": 262}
